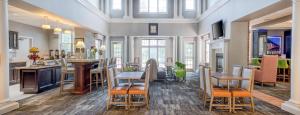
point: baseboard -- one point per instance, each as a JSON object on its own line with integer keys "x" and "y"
{"x": 8, "y": 106}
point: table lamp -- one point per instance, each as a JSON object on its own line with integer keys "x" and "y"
{"x": 80, "y": 45}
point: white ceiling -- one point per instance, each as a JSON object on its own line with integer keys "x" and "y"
{"x": 273, "y": 16}
{"x": 26, "y": 17}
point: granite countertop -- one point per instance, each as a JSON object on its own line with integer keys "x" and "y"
{"x": 82, "y": 60}
{"x": 38, "y": 67}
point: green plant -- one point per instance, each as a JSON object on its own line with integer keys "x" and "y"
{"x": 128, "y": 69}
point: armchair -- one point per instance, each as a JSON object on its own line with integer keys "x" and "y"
{"x": 268, "y": 71}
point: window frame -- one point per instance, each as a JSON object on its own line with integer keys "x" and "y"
{"x": 194, "y": 5}
{"x": 61, "y": 43}
{"x": 157, "y": 6}
{"x": 118, "y": 8}
{"x": 157, "y": 47}
{"x": 119, "y": 66}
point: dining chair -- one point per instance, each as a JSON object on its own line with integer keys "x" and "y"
{"x": 95, "y": 79}
{"x": 214, "y": 93}
{"x": 236, "y": 72}
{"x": 245, "y": 91}
{"x": 202, "y": 81}
{"x": 141, "y": 90}
{"x": 115, "y": 92}
{"x": 65, "y": 71}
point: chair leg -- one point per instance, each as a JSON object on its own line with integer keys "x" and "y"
{"x": 129, "y": 101}
{"x": 147, "y": 101}
{"x": 61, "y": 83}
{"x": 97, "y": 76}
{"x": 91, "y": 79}
{"x": 204, "y": 98}
{"x": 229, "y": 103}
{"x": 108, "y": 102}
{"x": 126, "y": 102}
{"x": 102, "y": 81}
{"x": 233, "y": 104}
{"x": 211, "y": 103}
{"x": 252, "y": 104}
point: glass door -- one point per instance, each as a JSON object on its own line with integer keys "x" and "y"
{"x": 117, "y": 53}
{"x": 189, "y": 55}
{"x": 153, "y": 49}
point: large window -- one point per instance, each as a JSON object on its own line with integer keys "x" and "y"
{"x": 117, "y": 53}
{"x": 116, "y": 4}
{"x": 211, "y": 2}
{"x": 66, "y": 42}
{"x": 154, "y": 49}
{"x": 153, "y": 6}
{"x": 189, "y": 55}
{"x": 190, "y": 5}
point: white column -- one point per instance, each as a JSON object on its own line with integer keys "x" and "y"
{"x": 181, "y": 48}
{"x": 102, "y": 5}
{"x": 107, "y": 7}
{"x": 4, "y": 58}
{"x": 125, "y": 9}
{"x": 131, "y": 48}
{"x": 108, "y": 48}
{"x": 180, "y": 8}
{"x": 175, "y": 13}
{"x": 5, "y": 104}
{"x": 130, "y": 8}
{"x": 293, "y": 105}
{"x": 125, "y": 49}
{"x": 198, "y": 6}
{"x": 174, "y": 49}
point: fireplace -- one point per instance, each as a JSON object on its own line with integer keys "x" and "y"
{"x": 219, "y": 62}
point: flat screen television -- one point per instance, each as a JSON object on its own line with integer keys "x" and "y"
{"x": 217, "y": 30}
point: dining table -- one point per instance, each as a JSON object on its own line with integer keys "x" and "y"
{"x": 228, "y": 78}
{"x": 129, "y": 76}
{"x": 82, "y": 74}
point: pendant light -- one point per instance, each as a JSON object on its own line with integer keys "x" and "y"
{"x": 57, "y": 29}
{"x": 46, "y": 25}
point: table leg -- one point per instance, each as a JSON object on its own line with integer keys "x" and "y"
{"x": 228, "y": 86}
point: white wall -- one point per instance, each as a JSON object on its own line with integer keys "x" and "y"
{"x": 40, "y": 36}
{"x": 164, "y": 29}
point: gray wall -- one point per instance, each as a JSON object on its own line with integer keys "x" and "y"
{"x": 40, "y": 36}
{"x": 136, "y": 13}
{"x": 164, "y": 29}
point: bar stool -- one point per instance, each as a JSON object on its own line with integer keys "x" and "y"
{"x": 64, "y": 72}
{"x": 282, "y": 67}
{"x": 97, "y": 71}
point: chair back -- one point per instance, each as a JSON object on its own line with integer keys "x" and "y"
{"x": 201, "y": 77}
{"x": 106, "y": 62}
{"x": 110, "y": 79}
{"x": 147, "y": 78}
{"x": 283, "y": 64}
{"x": 248, "y": 84}
{"x": 136, "y": 60}
{"x": 236, "y": 72}
{"x": 269, "y": 68}
{"x": 64, "y": 63}
{"x": 101, "y": 63}
{"x": 208, "y": 84}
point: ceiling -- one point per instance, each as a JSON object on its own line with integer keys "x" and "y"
{"x": 277, "y": 20}
{"x": 33, "y": 19}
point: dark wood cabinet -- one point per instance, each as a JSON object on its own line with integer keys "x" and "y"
{"x": 39, "y": 79}
{"x": 13, "y": 40}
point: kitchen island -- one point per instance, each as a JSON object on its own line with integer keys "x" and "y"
{"x": 35, "y": 79}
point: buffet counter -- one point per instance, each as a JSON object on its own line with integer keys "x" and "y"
{"x": 35, "y": 79}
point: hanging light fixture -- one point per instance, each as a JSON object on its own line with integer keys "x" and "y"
{"x": 67, "y": 31}
{"x": 46, "y": 25}
{"x": 57, "y": 29}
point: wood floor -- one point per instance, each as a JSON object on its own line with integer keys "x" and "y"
{"x": 167, "y": 98}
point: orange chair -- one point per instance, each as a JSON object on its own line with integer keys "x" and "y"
{"x": 268, "y": 71}
{"x": 113, "y": 91}
{"x": 245, "y": 91}
{"x": 141, "y": 90}
{"x": 215, "y": 92}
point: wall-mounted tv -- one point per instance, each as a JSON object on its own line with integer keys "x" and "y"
{"x": 217, "y": 30}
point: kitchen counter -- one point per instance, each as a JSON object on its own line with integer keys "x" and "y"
{"x": 36, "y": 79}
